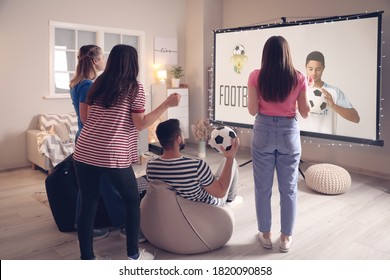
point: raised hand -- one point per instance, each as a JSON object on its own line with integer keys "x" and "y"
{"x": 231, "y": 153}
{"x": 173, "y": 99}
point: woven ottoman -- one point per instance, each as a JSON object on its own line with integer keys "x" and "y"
{"x": 327, "y": 178}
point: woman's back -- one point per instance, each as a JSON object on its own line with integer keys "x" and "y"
{"x": 109, "y": 136}
{"x": 277, "y": 86}
{"x": 286, "y": 108}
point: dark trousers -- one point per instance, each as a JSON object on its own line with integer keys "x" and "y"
{"x": 123, "y": 179}
{"x": 112, "y": 201}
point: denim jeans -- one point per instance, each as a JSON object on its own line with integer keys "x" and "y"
{"x": 124, "y": 181}
{"x": 276, "y": 146}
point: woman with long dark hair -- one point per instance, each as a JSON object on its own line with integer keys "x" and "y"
{"x": 276, "y": 92}
{"x": 108, "y": 145}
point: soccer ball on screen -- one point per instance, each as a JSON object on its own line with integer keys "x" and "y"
{"x": 238, "y": 50}
{"x": 221, "y": 136}
{"x": 317, "y": 101}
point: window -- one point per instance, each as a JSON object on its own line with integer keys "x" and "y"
{"x": 65, "y": 41}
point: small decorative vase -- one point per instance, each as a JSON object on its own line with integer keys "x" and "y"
{"x": 202, "y": 149}
{"x": 175, "y": 83}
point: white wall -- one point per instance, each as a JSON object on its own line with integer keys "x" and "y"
{"x": 203, "y": 16}
{"x": 372, "y": 160}
{"x": 194, "y": 58}
{"x": 24, "y": 51}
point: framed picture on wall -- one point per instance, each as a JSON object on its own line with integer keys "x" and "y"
{"x": 165, "y": 51}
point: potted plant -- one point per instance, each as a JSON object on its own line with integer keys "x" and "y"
{"x": 201, "y": 131}
{"x": 176, "y": 72}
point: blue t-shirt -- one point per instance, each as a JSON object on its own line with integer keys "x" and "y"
{"x": 79, "y": 94}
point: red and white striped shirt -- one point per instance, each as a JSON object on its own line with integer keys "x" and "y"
{"x": 109, "y": 137}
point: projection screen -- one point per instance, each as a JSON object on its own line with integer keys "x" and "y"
{"x": 351, "y": 46}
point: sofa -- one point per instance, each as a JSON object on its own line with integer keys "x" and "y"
{"x": 52, "y": 141}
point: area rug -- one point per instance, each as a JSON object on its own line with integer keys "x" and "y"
{"x": 41, "y": 197}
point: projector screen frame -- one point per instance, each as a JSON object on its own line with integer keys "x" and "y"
{"x": 375, "y": 141}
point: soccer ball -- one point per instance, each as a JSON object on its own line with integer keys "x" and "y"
{"x": 239, "y": 50}
{"x": 221, "y": 136}
{"x": 317, "y": 101}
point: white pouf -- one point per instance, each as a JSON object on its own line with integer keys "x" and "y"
{"x": 327, "y": 178}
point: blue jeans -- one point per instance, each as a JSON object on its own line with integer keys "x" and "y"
{"x": 276, "y": 145}
{"x": 124, "y": 181}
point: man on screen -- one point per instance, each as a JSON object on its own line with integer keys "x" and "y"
{"x": 336, "y": 101}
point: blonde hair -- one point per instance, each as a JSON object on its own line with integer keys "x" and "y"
{"x": 85, "y": 68}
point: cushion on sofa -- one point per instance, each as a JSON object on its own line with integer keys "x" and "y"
{"x": 61, "y": 130}
{"x": 56, "y": 139}
{"x": 46, "y": 121}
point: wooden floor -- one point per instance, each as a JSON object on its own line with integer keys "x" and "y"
{"x": 354, "y": 225}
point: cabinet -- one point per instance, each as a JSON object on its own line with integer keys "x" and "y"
{"x": 160, "y": 92}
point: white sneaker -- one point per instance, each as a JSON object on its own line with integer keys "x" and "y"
{"x": 265, "y": 242}
{"x": 143, "y": 255}
{"x": 284, "y": 246}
